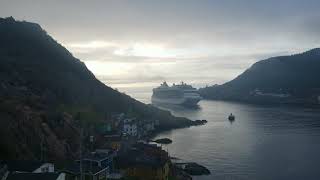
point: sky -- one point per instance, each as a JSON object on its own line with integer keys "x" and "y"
{"x": 135, "y": 43}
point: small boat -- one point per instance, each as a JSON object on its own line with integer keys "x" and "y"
{"x": 231, "y": 117}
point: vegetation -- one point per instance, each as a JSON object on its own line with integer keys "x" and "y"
{"x": 295, "y": 75}
{"x": 45, "y": 92}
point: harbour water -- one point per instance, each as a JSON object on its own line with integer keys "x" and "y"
{"x": 263, "y": 143}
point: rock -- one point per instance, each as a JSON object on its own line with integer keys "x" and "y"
{"x": 179, "y": 174}
{"x": 163, "y": 141}
{"x": 200, "y": 122}
{"x": 196, "y": 169}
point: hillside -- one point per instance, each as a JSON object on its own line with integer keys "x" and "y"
{"x": 283, "y": 79}
{"x": 43, "y": 88}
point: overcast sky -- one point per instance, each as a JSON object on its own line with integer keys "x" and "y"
{"x": 143, "y": 42}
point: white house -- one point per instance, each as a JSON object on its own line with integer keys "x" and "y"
{"x": 130, "y": 127}
{"x": 45, "y": 168}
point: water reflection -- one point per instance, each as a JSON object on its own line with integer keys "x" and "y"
{"x": 175, "y": 107}
{"x": 265, "y": 142}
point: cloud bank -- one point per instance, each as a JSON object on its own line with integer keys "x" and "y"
{"x": 131, "y": 43}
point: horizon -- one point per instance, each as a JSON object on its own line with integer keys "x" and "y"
{"x": 128, "y": 44}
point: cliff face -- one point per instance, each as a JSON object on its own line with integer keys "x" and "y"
{"x": 43, "y": 87}
{"x": 295, "y": 75}
{"x": 27, "y": 126}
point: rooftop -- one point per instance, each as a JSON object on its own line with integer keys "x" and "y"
{"x": 33, "y": 176}
{"x": 87, "y": 169}
{"x": 23, "y": 165}
{"x": 113, "y": 137}
{"x": 99, "y": 155}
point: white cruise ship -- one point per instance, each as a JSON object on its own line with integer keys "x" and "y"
{"x": 181, "y": 94}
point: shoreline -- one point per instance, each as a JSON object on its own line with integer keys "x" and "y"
{"x": 161, "y": 130}
{"x": 181, "y": 170}
{"x": 297, "y": 105}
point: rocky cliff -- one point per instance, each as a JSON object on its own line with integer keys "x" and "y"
{"x": 42, "y": 90}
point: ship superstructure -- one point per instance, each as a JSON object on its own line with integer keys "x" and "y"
{"x": 177, "y": 94}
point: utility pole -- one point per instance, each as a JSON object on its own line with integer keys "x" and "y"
{"x": 41, "y": 149}
{"x": 91, "y": 141}
{"x": 81, "y": 134}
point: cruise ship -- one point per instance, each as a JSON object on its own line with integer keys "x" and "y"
{"x": 177, "y": 94}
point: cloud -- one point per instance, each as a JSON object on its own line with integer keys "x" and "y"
{"x": 208, "y": 41}
{"x": 91, "y": 45}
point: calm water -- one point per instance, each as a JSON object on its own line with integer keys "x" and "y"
{"x": 264, "y": 143}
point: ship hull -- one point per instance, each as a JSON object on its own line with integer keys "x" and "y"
{"x": 176, "y": 101}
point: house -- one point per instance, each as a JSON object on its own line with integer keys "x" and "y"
{"x": 145, "y": 127}
{"x": 89, "y": 172}
{"x": 22, "y": 166}
{"x": 36, "y": 176}
{"x": 104, "y": 128}
{"x": 95, "y": 166}
{"x": 145, "y": 161}
{"x": 33, "y": 170}
{"x": 149, "y": 125}
{"x": 117, "y": 119}
{"x": 111, "y": 124}
{"x": 130, "y": 127}
{"x": 114, "y": 141}
{"x": 100, "y": 158}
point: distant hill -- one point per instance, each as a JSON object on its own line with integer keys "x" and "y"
{"x": 45, "y": 93}
{"x": 283, "y": 79}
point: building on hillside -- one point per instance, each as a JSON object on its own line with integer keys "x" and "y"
{"x": 145, "y": 161}
{"x": 149, "y": 125}
{"x": 104, "y": 128}
{"x": 114, "y": 141}
{"x": 276, "y": 94}
{"x": 145, "y": 127}
{"x": 116, "y": 120}
{"x": 130, "y": 127}
{"x": 95, "y": 166}
{"x": 19, "y": 166}
{"x": 89, "y": 172}
{"x": 101, "y": 158}
{"x": 36, "y": 176}
{"x": 118, "y": 117}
